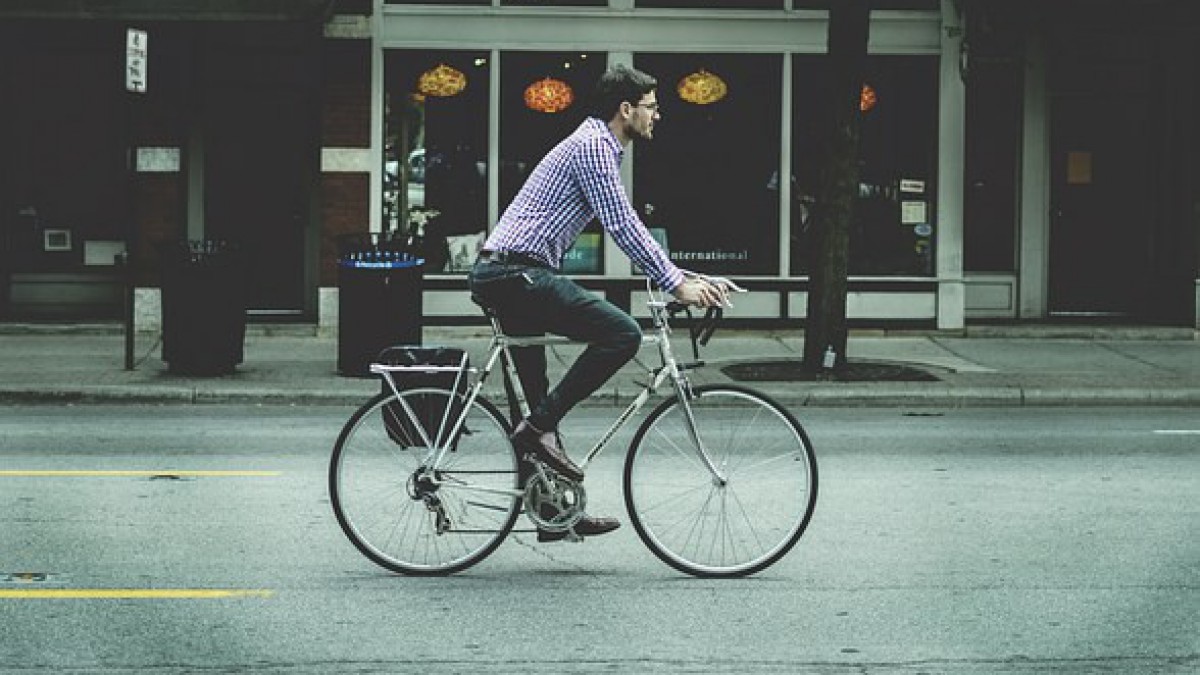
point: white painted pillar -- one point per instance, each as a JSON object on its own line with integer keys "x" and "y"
{"x": 375, "y": 206}
{"x": 616, "y": 264}
{"x": 1033, "y": 262}
{"x": 952, "y": 112}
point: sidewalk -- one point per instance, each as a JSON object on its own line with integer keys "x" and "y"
{"x": 990, "y": 366}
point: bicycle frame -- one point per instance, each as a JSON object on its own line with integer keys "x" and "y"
{"x": 501, "y": 345}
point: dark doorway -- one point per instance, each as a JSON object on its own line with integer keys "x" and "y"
{"x": 259, "y": 136}
{"x": 1104, "y": 214}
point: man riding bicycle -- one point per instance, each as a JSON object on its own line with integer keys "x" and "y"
{"x": 517, "y": 271}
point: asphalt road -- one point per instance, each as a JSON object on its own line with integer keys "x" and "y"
{"x": 185, "y": 539}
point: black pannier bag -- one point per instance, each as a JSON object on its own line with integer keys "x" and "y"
{"x": 429, "y": 410}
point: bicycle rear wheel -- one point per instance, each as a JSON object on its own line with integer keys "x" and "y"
{"x": 414, "y": 521}
{"x": 699, "y": 525}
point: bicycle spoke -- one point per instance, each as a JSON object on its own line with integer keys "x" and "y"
{"x": 690, "y": 455}
{"x": 789, "y": 455}
{"x": 750, "y": 526}
{"x": 672, "y": 500}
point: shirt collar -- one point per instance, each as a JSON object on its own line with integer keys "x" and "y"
{"x": 598, "y": 127}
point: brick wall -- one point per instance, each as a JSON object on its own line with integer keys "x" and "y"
{"x": 345, "y": 129}
{"x": 159, "y": 214}
{"x": 159, "y": 199}
{"x": 343, "y": 211}
{"x": 346, "y": 109}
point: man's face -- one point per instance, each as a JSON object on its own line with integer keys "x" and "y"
{"x": 643, "y": 116}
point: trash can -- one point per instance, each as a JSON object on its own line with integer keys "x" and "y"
{"x": 379, "y": 300}
{"x": 203, "y": 307}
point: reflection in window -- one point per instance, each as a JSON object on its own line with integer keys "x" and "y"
{"x": 507, "y": 3}
{"x": 894, "y": 224}
{"x": 873, "y": 4}
{"x": 543, "y": 98}
{"x": 712, "y": 4}
{"x": 993, "y": 142}
{"x": 779, "y": 4}
{"x": 435, "y": 156}
{"x": 707, "y": 182}
{"x": 554, "y": 3}
{"x": 437, "y": 2}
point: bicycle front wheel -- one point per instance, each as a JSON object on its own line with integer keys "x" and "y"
{"x": 411, "y": 517}
{"x": 740, "y": 522}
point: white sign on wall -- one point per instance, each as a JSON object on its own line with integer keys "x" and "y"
{"x": 135, "y": 60}
{"x": 157, "y": 160}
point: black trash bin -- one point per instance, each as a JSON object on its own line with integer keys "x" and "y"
{"x": 379, "y": 300}
{"x": 203, "y": 307}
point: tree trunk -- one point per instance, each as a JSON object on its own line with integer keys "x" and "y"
{"x": 849, "y": 26}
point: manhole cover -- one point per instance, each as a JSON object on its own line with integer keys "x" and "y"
{"x": 24, "y": 577}
{"x": 853, "y": 371}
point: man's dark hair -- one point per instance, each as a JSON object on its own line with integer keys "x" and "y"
{"x": 620, "y": 83}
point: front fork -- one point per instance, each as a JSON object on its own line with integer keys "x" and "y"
{"x": 685, "y": 394}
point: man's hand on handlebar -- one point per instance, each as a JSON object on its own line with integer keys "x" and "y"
{"x": 705, "y": 292}
{"x": 700, "y": 293}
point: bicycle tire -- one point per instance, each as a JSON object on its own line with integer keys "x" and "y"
{"x": 706, "y": 529}
{"x": 378, "y": 501}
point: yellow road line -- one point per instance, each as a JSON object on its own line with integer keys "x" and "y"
{"x": 130, "y": 593}
{"x": 38, "y": 473}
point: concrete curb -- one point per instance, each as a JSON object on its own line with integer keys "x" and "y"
{"x": 897, "y": 395}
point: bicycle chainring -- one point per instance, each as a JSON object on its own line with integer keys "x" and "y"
{"x": 554, "y": 503}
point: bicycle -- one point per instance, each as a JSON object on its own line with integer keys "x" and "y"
{"x": 719, "y": 480}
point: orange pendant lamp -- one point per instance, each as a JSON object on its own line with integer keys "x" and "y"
{"x": 867, "y": 99}
{"x": 442, "y": 81}
{"x": 702, "y": 88}
{"x": 549, "y": 96}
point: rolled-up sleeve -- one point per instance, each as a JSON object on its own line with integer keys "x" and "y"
{"x": 598, "y": 171}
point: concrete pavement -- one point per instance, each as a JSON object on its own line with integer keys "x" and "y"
{"x": 989, "y": 365}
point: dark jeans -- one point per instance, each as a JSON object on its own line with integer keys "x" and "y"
{"x": 537, "y": 300}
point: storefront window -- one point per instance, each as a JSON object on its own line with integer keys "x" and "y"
{"x": 779, "y": 4}
{"x": 554, "y": 3}
{"x": 437, "y": 2}
{"x": 707, "y": 182}
{"x": 543, "y": 98}
{"x": 873, "y": 4}
{"x": 507, "y": 3}
{"x": 993, "y": 142}
{"x": 436, "y": 148}
{"x": 894, "y": 225}
{"x": 712, "y": 4}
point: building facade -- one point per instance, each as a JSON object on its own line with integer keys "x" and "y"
{"x": 1017, "y": 162}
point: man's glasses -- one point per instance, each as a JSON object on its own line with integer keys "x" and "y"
{"x": 654, "y": 108}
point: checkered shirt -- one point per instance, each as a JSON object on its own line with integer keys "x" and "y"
{"x": 580, "y": 179}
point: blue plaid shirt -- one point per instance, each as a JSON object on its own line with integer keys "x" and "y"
{"x": 578, "y": 180}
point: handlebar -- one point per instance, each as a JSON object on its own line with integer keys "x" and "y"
{"x": 701, "y": 331}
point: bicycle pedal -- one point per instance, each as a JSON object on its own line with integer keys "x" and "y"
{"x": 570, "y": 535}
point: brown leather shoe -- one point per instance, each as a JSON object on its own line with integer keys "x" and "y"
{"x": 528, "y": 439}
{"x": 588, "y": 526}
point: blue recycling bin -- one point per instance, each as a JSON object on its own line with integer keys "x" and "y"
{"x": 379, "y": 302}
